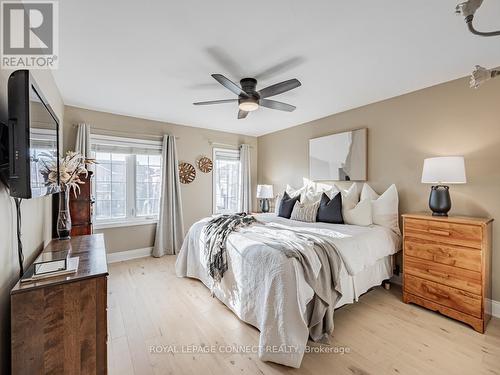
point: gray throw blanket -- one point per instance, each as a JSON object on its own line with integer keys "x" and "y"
{"x": 217, "y": 231}
{"x": 326, "y": 285}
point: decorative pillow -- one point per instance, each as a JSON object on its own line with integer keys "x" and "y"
{"x": 292, "y": 192}
{"x": 314, "y": 190}
{"x": 305, "y": 212}
{"x": 350, "y": 197}
{"x": 361, "y": 214}
{"x": 384, "y": 207}
{"x": 330, "y": 210}
{"x": 286, "y": 205}
{"x": 277, "y": 203}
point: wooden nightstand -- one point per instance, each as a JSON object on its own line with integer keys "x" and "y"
{"x": 447, "y": 266}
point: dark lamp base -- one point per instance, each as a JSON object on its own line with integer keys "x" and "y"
{"x": 439, "y": 200}
{"x": 264, "y": 205}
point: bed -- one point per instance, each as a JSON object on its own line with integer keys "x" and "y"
{"x": 268, "y": 291}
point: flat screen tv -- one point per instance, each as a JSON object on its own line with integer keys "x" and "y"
{"x": 33, "y": 139}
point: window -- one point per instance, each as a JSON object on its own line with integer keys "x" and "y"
{"x": 110, "y": 186}
{"x": 147, "y": 184}
{"x": 127, "y": 182}
{"x": 226, "y": 181}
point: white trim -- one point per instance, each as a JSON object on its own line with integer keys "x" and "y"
{"x": 129, "y": 254}
{"x": 124, "y": 223}
{"x": 495, "y": 308}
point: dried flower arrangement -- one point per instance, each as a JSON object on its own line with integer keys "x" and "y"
{"x": 71, "y": 167}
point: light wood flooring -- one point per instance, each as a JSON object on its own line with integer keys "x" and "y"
{"x": 150, "y": 306}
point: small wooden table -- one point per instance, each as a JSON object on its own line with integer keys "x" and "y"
{"x": 59, "y": 325}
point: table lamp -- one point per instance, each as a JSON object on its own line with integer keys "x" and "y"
{"x": 442, "y": 171}
{"x": 264, "y": 193}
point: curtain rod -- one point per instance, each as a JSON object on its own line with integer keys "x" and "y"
{"x": 125, "y": 132}
{"x": 224, "y": 144}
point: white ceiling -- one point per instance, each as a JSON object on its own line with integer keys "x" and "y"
{"x": 152, "y": 59}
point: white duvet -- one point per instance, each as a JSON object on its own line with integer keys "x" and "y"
{"x": 267, "y": 290}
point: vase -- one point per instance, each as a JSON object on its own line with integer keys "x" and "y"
{"x": 64, "y": 216}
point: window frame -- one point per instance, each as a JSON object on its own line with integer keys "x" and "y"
{"x": 214, "y": 181}
{"x": 131, "y": 218}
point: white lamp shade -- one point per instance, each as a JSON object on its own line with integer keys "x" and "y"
{"x": 265, "y": 191}
{"x": 444, "y": 170}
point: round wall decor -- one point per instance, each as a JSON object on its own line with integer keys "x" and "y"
{"x": 205, "y": 164}
{"x": 187, "y": 173}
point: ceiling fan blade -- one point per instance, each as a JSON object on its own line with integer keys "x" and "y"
{"x": 230, "y": 85}
{"x": 279, "y": 88}
{"x": 242, "y": 114}
{"x": 216, "y": 102}
{"x": 273, "y": 104}
{"x": 280, "y": 68}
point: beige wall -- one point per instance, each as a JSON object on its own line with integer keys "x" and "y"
{"x": 449, "y": 119}
{"x": 36, "y": 219}
{"x": 191, "y": 143}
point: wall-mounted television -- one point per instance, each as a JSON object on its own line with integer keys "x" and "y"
{"x": 33, "y": 139}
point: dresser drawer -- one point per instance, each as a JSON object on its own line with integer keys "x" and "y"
{"x": 454, "y": 298}
{"x": 447, "y": 275}
{"x": 450, "y": 255}
{"x": 444, "y": 232}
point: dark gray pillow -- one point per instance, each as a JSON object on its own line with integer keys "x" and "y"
{"x": 286, "y": 205}
{"x": 330, "y": 210}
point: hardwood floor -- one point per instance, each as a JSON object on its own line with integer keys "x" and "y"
{"x": 150, "y": 306}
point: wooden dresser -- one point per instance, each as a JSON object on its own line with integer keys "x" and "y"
{"x": 447, "y": 266}
{"x": 59, "y": 325}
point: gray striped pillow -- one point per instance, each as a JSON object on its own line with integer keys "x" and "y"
{"x": 305, "y": 212}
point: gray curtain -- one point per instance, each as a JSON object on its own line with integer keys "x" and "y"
{"x": 82, "y": 143}
{"x": 246, "y": 182}
{"x": 170, "y": 227}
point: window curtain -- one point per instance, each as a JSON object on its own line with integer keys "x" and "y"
{"x": 170, "y": 227}
{"x": 245, "y": 178}
{"x": 82, "y": 143}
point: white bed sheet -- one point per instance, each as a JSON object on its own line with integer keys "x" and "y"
{"x": 268, "y": 290}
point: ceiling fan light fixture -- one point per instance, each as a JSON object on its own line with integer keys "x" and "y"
{"x": 248, "y": 105}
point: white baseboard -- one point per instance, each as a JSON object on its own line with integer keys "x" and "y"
{"x": 495, "y": 308}
{"x": 129, "y": 254}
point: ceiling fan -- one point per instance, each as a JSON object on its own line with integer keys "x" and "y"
{"x": 249, "y": 99}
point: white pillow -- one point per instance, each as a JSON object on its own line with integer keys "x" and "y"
{"x": 292, "y": 192}
{"x": 314, "y": 191}
{"x": 360, "y": 214}
{"x": 350, "y": 197}
{"x": 277, "y": 203}
{"x": 384, "y": 207}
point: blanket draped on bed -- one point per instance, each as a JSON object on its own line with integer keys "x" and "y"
{"x": 217, "y": 231}
{"x": 323, "y": 278}
{"x": 325, "y": 282}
